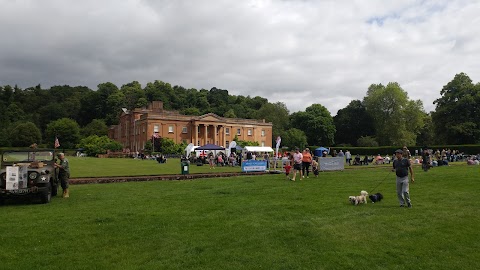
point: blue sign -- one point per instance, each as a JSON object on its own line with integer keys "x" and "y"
{"x": 254, "y": 166}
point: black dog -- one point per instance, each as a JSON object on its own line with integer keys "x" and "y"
{"x": 376, "y": 197}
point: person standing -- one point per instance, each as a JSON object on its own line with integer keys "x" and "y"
{"x": 348, "y": 157}
{"x": 315, "y": 167}
{"x": 63, "y": 174}
{"x": 406, "y": 152}
{"x": 297, "y": 164}
{"x": 306, "y": 162}
{"x": 211, "y": 160}
{"x": 287, "y": 168}
{"x": 425, "y": 159}
{"x": 402, "y": 167}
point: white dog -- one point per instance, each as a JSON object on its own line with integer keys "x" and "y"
{"x": 352, "y": 199}
{"x": 362, "y": 198}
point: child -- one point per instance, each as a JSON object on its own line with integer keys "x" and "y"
{"x": 287, "y": 168}
{"x": 315, "y": 167}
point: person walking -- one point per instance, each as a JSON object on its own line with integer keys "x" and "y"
{"x": 306, "y": 162}
{"x": 63, "y": 174}
{"x": 402, "y": 167}
{"x": 348, "y": 157}
{"x": 297, "y": 164}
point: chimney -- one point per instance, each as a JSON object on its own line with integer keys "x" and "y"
{"x": 156, "y": 105}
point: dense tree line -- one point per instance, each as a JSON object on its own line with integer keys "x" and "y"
{"x": 386, "y": 115}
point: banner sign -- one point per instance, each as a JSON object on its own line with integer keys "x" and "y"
{"x": 16, "y": 177}
{"x": 331, "y": 163}
{"x": 254, "y": 166}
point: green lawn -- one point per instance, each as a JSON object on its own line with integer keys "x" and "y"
{"x": 98, "y": 167}
{"x": 251, "y": 222}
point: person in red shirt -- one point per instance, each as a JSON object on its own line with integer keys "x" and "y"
{"x": 287, "y": 168}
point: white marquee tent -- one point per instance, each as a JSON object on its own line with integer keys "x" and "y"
{"x": 257, "y": 149}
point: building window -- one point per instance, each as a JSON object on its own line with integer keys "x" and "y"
{"x": 143, "y": 128}
{"x": 227, "y": 144}
{"x": 263, "y": 144}
{"x": 227, "y": 131}
{"x": 155, "y": 128}
{"x": 263, "y": 133}
{"x": 184, "y": 130}
{"x": 238, "y": 131}
{"x": 249, "y": 132}
{"x": 170, "y": 129}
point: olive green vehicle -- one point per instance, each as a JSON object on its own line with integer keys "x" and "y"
{"x": 41, "y": 179}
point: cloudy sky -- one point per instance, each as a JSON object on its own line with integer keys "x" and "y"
{"x": 298, "y": 52}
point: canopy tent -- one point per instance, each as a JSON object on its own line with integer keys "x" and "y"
{"x": 318, "y": 152}
{"x": 257, "y": 149}
{"x": 209, "y": 147}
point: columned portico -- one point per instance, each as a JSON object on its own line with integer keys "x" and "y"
{"x": 195, "y": 130}
{"x": 205, "y": 134}
{"x": 215, "y": 137}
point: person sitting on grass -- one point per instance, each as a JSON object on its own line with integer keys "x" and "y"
{"x": 357, "y": 160}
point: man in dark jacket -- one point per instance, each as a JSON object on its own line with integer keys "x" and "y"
{"x": 402, "y": 166}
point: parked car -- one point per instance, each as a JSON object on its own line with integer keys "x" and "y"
{"x": 28, "y": 172}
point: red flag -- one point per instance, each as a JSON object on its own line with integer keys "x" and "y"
{"x": 57, "y": 143}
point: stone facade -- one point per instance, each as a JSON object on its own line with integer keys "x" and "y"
{"x": 138, "y": 126}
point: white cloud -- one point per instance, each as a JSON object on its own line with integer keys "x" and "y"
{"x": 297, "y": 52}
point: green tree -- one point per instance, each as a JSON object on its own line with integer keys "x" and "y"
{"x": 230, "y": 114}
{"x": 90, "y": 108}
{"x": 95, "y": 145}
{"x": 132, "y": 92}
{"x": 317, "y": 123}
{"x": 191, "y": 111}
{"x": 294, "y": 138}
{"x": 96, "y": 127}
{"x": 397, "y": 119}
{"x": 115, "y": 103}
{"x": 247, "y": 143}
{"x": 426, "y": 135}
{"x": 24, "y": 134}
{"x": 278, "y": 115}
{"x": 367, "y": 141}
{"x": 66, "y": 130}
{"x": 14, "y": 113}
{"x": 168, "y": 146}
{"x": 352, "y": 122}
{"x": 457, "y": 115}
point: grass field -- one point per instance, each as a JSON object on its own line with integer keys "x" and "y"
{"x": 251, "y": 222}
{"x": 98, "y": 167}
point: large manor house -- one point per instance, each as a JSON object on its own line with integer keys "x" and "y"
{"x": 140, "y": 125}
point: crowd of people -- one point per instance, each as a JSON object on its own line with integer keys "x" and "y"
{"x": 301, "y": 162}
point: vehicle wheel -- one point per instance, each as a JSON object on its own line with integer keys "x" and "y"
{"x": 46, "y": 196}
{"x": 54, "y": 189}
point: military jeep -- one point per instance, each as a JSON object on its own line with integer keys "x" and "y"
{"x": 28, "y": 173}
